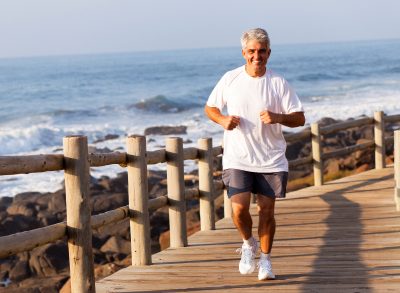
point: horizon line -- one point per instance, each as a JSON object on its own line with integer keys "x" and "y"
{"x": 186, "y": 49}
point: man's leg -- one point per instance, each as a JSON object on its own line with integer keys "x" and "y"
{"x": 241, "y": 214}
{"x": 243, "y": 222}
{"x": 266, "y": 227}
{"x": 266, "y": 232}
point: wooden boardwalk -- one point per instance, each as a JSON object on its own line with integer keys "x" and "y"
{"x": 341, "y": 237}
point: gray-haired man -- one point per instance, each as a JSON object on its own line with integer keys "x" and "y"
{"x": 258, "y": 102}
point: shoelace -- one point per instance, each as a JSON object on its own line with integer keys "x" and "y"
{"x": 265, "y": 264}
{"x": 247, "y": 256}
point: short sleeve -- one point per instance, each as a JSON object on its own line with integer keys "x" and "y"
{"x": 290, "y": 102}
{"x": 216, "y": 98}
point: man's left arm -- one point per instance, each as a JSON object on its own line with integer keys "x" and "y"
{"x": 294, "y": 119}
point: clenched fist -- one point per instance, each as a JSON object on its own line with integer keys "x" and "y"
{"x": 269, "y": 117}
{"x": 230, "y": 122}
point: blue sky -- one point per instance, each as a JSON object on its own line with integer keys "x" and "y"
{"x": 53, "y": 27}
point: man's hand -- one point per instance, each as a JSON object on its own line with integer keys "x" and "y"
{"x": 227, "y": 122}
{"x": 230, "y": 122}
{"x": 294, "y": 119}
{"x": 268, "y": 117}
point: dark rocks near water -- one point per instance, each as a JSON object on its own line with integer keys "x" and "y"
{"x": 165, "y": 130}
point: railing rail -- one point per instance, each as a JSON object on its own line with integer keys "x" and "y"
{"x": 76, "y": 162}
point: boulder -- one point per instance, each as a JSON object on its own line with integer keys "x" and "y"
{"x": 106, "y": 202}
{"x": 20, "y": 271}
{"x": 49, "y": 259}
{"x": 18, "y": 223}
{"x": 117, "y": 244}
{"x": 27, "y": 209}
{"x": 165, "y": 130}
{"x": 5, "y": 202}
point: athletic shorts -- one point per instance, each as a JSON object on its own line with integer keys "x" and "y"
{"x": 269, "y": 184}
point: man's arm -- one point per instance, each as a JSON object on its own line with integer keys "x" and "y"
{"x": 227, "y": 122}
{"x": 294, "y": 119}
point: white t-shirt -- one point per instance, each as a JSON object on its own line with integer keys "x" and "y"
{"x": 254, "y": 146}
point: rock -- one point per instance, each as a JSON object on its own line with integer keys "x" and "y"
{"x": 57, "y": 202}
{"x": 18, "y": 223}
{"x": 165, "y": 130}
{"x": 49, "y": 259}
{"x": 5, "y": 202}
{"x": 106, "y": 202}
{"x": 117, "y": 244}
{"x": 107, "y": 137}
{"x": 20, "y": 271}
{"x": 27, "y": 209}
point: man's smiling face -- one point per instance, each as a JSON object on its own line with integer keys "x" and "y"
{"x": 256, "y": 55}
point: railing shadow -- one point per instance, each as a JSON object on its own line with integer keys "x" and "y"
{"x": 339, "y": 258}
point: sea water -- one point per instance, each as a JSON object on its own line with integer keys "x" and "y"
{"x": 44, "y": 99}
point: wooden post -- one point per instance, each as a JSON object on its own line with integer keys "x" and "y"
{"x": 379, "y": 134}
{"x": 176, "y": 192}
{"x": 138, "y": 200}
{"x": 227, "y": 205}
{"x": 79, "y": 230}
{"x": 397, "y": 168}
{"x": 206, "y": 186}
{"x": 318, "y": 164}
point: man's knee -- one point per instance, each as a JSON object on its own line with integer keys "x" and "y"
{"x": 240, "y": 211}
{"x": 266, "y": 213}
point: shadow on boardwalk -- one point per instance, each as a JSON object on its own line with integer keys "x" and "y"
{"x": 339, "y": 258}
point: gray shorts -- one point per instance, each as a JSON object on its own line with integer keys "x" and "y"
{"x": 268, "y": 184}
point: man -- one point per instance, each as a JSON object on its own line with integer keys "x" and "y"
{"x": 258, "y": 102}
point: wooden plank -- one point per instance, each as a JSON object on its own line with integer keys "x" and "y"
{"x": 345, "y": 125}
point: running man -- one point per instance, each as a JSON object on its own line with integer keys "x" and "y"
{"x": 258, "y": 102}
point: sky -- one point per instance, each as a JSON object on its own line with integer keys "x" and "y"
{"x": 63, "y": 27}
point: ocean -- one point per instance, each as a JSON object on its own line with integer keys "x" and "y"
{"x": 44, "y": 99}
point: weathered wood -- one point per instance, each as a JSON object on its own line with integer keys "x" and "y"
{"x": 217, "y": 151}
{"x": 318, "y": 164}
{"x": 97, "y": 160}
{"x": 300, "y": 161}
{"x": 348, "y": 150}
{"x": 27, "y": 240}
{"x": 345, "y": 125}
{"x": 109, "y": 217}
{"x": 155, "y": 157}
{"x": 206, "y": 187}
{"x": 138, "y": 200}
{"x": 227, "y": 205}
{"x": 79, "y": 230}
{"x": 379, "y": 136}
{"x": 176, "y": 192}
{"x": 158, "y": 202}
{"x": 392, "y": 118}
{"x": 11, "y": 165}
{"x": 296, "y": 136}
{"x": 397, "y": 168}
{"x": 190, "y": 153}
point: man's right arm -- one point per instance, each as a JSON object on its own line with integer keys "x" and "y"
{"x": 227, "y": 122}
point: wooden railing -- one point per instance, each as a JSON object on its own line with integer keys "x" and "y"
{"x": 76, "y": 162}
{"x": 397, "y": 168}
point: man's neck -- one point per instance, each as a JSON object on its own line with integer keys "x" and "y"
{"x": 255, "y": 73}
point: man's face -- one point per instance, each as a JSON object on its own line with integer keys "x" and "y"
{"x": 256, "y": 55}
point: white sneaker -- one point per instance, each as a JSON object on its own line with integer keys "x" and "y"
{"x": 247, "y": 262}
{"x": 265, "y": 268}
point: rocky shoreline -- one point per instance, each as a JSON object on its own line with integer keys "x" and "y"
{"x": 46, "y": 269}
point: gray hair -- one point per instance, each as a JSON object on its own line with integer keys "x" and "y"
{"x": 257, "y": 34}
